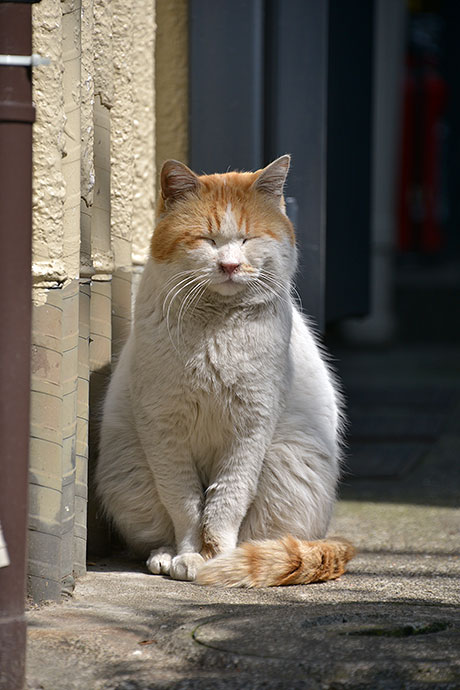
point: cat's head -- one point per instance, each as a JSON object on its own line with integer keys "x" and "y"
{"x": 229, "y": 232}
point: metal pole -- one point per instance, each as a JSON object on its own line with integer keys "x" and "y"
{"x": 16, "y": 117}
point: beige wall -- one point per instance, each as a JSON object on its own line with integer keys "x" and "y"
{"x": 171, "y": 81}
{"x": 107, "y": 116}
{"x": 94, "y": 190}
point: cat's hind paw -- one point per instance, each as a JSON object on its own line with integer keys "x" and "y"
{"x": 186, "y": 566}
{"x": 159, "y": 561}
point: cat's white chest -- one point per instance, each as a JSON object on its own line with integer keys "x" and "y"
{"x": 231, "y": 356}
{"x": 215, "y": 364}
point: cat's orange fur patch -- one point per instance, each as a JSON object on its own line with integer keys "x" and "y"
{"x": 277, "y": 562}
{"x": 200, "y": 212}
{"x": 210, "y": 547}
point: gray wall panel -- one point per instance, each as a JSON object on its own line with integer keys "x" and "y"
{"x": 226, "y": 85}
{"x": 296, "y": 92}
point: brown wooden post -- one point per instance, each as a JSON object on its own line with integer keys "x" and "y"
{"x": 16, "y": 117}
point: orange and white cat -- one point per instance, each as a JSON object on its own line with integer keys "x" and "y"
{"x": 219, "y": 454}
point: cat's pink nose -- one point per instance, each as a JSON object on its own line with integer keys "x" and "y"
{"x": 229, "y": 268}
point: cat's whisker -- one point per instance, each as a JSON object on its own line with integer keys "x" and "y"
{"x": 176, "y": 285}
{"x": 189, "y": 282}
{"x": 197, "y": 298}
{"x": 297, "y": 297}
{"x": 267, "y": 288}
{"x": 257, "y": 289}
{"x": 173, "y": 278}
{"x": 178, "y": 288}
{"x": 189, "y": 271}
{"x": 173, "y": 282}
{"x": 270, "y": 278}
{"x": 292, "y": 288}
{"x": 188, "y": 299}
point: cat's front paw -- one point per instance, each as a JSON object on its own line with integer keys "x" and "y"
{"x": 186, "y": 566}
{"x": 159, "y": 561}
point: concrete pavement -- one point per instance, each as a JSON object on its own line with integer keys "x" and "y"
{"x": 393, "y": 621}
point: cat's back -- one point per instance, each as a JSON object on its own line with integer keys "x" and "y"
{"x": 313, "y": 394}
{"x": 304, "y": 349}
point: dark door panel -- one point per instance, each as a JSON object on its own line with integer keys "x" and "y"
{"x": 226, "y": 85}
{"x": 269, "y": 77}
{"x": 296, "y": 123}
{"x": 349, "y": 118}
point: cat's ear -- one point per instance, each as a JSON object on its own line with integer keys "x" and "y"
{"x": 272, "y": 178}
{"x": 177, "y": 180}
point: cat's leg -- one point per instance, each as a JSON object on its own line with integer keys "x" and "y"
{"x": 181, "y": 493}
{"x": 124, "y": 481}
{"x": 159, "y": 561}
{"x": 232, "y": 489}
{"x": 296, "y": 489}
{"x": 127, "y": 490}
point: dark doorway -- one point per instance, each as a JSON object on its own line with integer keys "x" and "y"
{"x": 269, "y": 77}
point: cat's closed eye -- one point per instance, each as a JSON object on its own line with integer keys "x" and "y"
{"x": 208, "y": 239}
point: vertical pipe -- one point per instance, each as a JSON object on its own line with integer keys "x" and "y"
{"x": 100, "y": 349}
{"x": 122, "y": 117}
{"x": 69, "y": 383}
{"x": 16, "y": 118}
{"x": 71, "y": 55}
{"x": 45, "y": 458}
{"x": 81, "y": 447}
{"x": 100, "y": 354}
{"x": 50, "y": 272}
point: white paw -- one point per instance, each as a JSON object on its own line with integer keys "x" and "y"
{"x": 186, "y": 566}
{"x": 159, "y": 561}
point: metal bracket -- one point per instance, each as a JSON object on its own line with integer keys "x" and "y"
{"x": 23, "y": 60}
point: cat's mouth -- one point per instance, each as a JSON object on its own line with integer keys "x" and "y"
{"x": 229, "y": 285}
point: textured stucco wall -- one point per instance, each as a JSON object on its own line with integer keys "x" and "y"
{"x": 94, "y": 187}
{"x": 48, "y": 149}
{"x": 111, "y": 106}
{"x": 55, "y": 326}
{"x": 143, "y": 76}
{"x": 87, "y": 174}
{"x": 171, "y": 81}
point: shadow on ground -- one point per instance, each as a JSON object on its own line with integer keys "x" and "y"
{"x": 293, "y": 642}
{"x": 403, "y": 436}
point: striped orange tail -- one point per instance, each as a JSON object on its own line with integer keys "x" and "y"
{"x": 276, "y": 562}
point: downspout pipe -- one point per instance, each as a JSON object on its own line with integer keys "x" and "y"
{"x": 16, "y": 117}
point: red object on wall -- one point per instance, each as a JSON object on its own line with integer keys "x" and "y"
{"x": 434, "y": 91}
{"x": 407, "y": 162}
{"x": 420, "y": 228}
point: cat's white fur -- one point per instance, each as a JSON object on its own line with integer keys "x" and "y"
{"x": 221, "y": 419}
